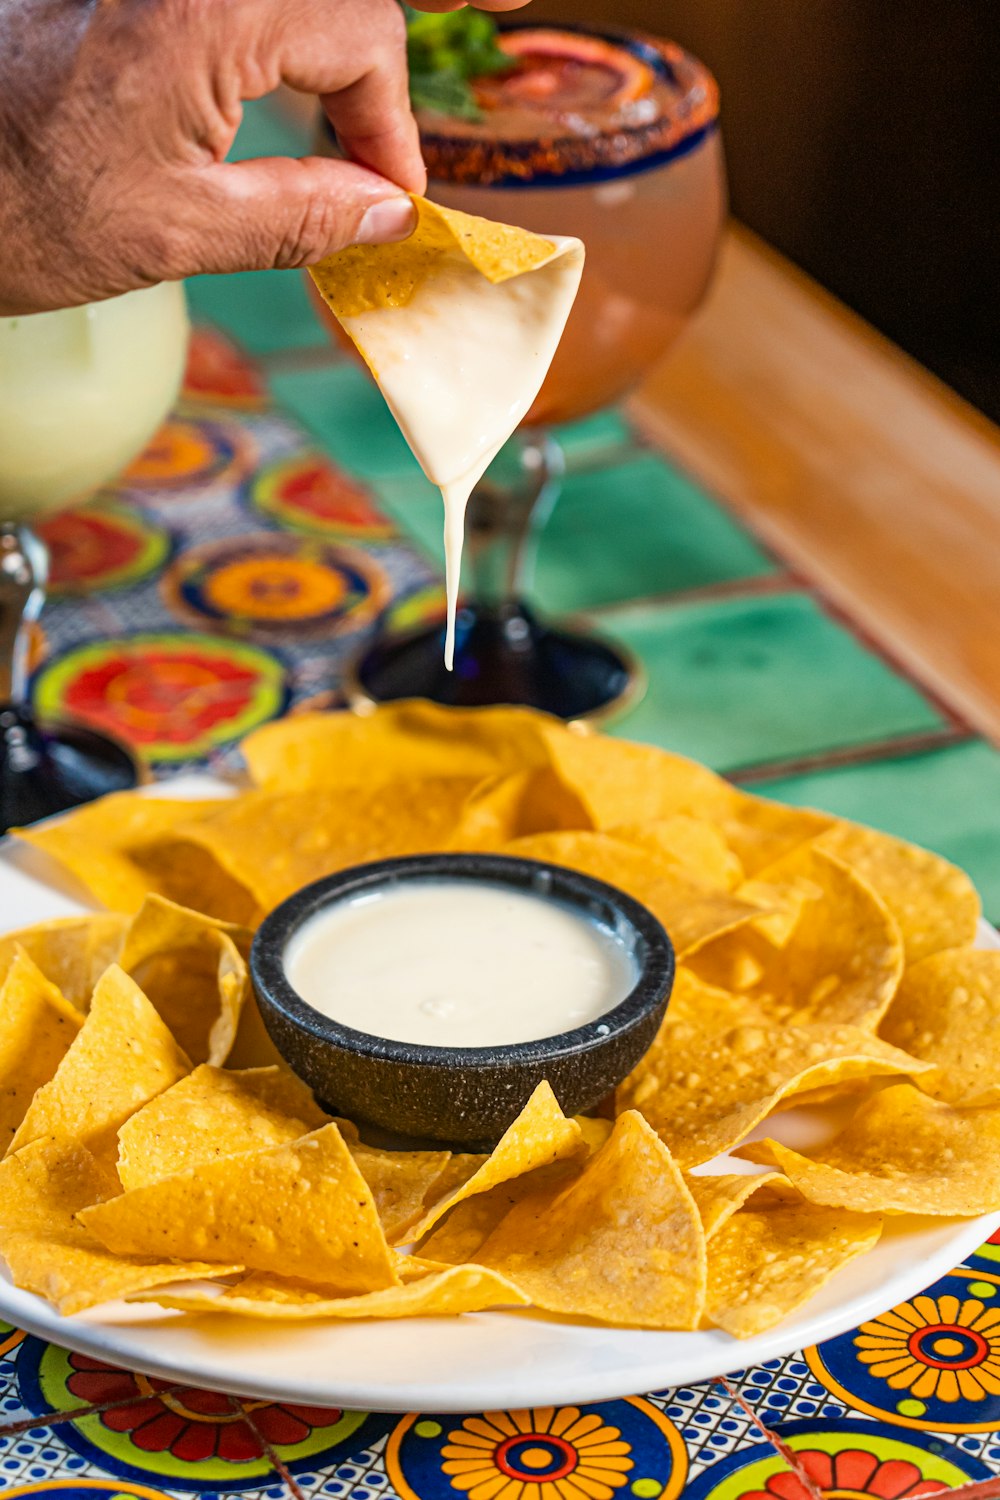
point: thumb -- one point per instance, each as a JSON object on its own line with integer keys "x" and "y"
{"x": 286, "y": 211}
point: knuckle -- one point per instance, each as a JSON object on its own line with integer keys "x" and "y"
{"x": 319, "y": 229}
{"x": 161, "y": 252}
{"x": 392, "y": 25}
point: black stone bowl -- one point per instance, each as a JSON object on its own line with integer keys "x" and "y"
{"x": 464, "y": 1096}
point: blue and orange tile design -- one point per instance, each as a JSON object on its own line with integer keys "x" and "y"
{"x": 228, "y": 578}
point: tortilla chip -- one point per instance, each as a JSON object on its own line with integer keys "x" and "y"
{"x": 253, "y": 1047}
{"x": 301, "y": 1209}
{"x": 364, "y": 277}
{"x": 718, "y": 1196}
{"x": 113, "y": 846}
{"x": 45, "y": 1184}
{"x": 444, "y": 1293}
{"x": 455, "y": 1174}
{"x": 595, "y": 1131}
{"x": 760, "y": 832}
{"x": 277, "y": 842}
{"x": 622, "y": 1243}
{"x": 192, "y": 971}
{"x": 41, "y": 1189}
{"x": 692, "y": 914}
{"x": 947, "y": 1011}
{"x": 901, "y": 1153}
{"x": 540, "y": 1135}
{"x": 783, "y": 902}
{"x": 708, "y": 1079}
{"x": 409, "y": 1267}
{"x": 464, "y": 1229}
{"x": 401, "y": 1183}
{"x": 621, "y": 782}
{"x": 512, "y": 806}
{"x": 772, "y": 1256}
{"x": 842, "y": 964}
{"x": 705, "y": 1008}
{"x": 212, "y": 1113}
{"x": 697, "y": 849}
{"x": 412, "y": 739}
{"x": 37, "y": 1026}
{"x": 121, "y": 1057}
{"x": 935, "y": 904}
{"x": 72, "y": 952}
{"x": 810, "y": 1098}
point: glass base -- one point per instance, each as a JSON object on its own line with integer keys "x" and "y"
{"x": 502, "y": 655}
{"x": 48, "y": 769}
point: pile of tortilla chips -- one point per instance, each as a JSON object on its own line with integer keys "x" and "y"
{"x": 157, "y": 1148}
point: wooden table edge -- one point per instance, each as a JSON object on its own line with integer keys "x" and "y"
{"x": 859, "y": 468}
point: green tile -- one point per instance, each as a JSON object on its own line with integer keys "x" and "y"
{"x": 587, "y": 441}
{"x": 737, "y": 682}
{"x": 416, "y": 507}
{"x": 263, "y": 310}
{"x": 948, "y": 800}
{"x": 265, "y": 131}
{"x": 635, "y": 529}
{"x": 345, "y": 413}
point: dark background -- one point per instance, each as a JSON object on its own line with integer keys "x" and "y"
{"x": 863, "y": 140}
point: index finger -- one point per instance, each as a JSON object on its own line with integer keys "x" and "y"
{"x": 375, "y": 125}
{"x": 438, "y": 6}
{"x": 352, "y": 53}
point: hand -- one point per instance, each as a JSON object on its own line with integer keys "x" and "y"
{"x": 115, "y": 120}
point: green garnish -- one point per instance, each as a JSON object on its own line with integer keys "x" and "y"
{"x": 445, "y": 52}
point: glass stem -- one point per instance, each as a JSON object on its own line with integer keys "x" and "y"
{"x": 24, "y": 571}
{"x": 506, "y": 514}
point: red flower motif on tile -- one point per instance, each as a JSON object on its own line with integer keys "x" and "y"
{"x": 193, "y": 1425}
{"x": 853, "y": 1474}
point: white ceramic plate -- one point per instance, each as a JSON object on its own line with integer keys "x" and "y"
{"x": 482, "y": 1361}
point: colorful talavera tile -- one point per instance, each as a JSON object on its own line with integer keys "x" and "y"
{"x": 987, "y": 1257}
{"x": 932, "y": 1363}
{"x": 39, "y": 1455}
{"x": 779, "y": 1390}
{"x": 183, "y": 1438}
{"x": 12, "y": 1408}
{"x": 218, "y": 374}
{"x": 308, "y": 493}
{"x": 83, "y": 1488}
{"x": 173, "y": 697}
{"x": 626, "y": 1448}
{"x": 840, "y": 1460}
{"x": 273, "y": 587}
{"x": 101, "y": 547}
{"x": 191, "y": 453}
{"x": 280, "y": 561}
{"x": 712, "y": 1423}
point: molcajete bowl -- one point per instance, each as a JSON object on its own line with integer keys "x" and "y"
{"x": 462, "y": 1096}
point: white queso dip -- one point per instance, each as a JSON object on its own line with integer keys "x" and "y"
{"x": 458, "y": 963}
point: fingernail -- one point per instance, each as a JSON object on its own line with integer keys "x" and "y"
{"x": 389, "y": 219}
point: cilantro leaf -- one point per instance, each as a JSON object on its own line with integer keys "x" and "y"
{"x": 445, "y": 52}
